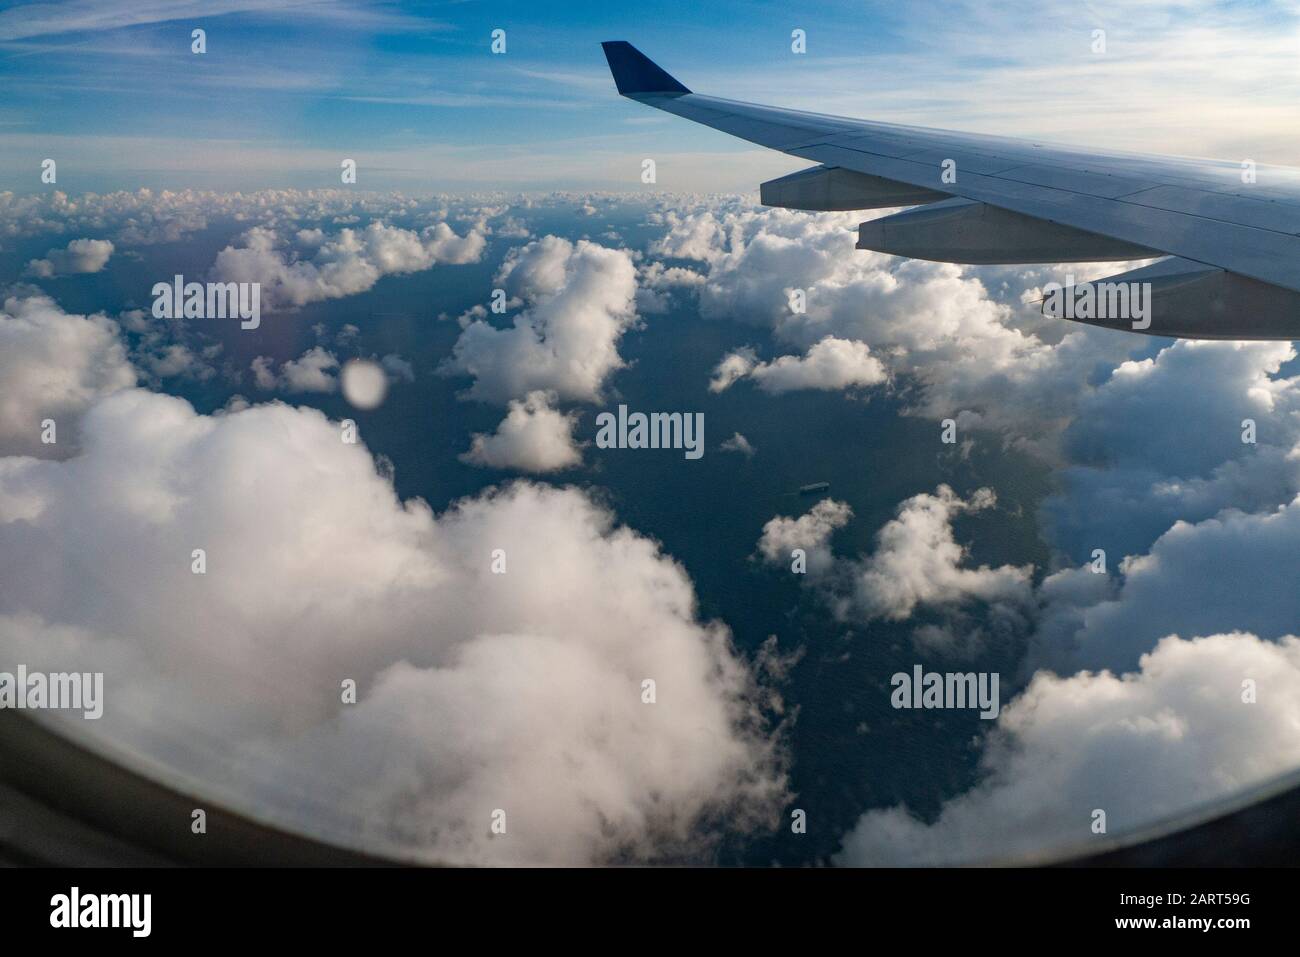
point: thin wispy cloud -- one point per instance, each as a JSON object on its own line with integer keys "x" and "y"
{"x": 1200, "y": 78}
{"x": 78, "y": 16}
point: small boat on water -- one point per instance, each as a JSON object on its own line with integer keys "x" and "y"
{"x": 813, "y": 488}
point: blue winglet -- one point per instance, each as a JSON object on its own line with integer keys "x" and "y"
{"x": 634, "y": 72}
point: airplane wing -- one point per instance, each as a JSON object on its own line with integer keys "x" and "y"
{"x": 1228, "y": 232}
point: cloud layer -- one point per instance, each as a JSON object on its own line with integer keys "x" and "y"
{"x": 1170, "y": 736}
{"x": 478, "y": 691}
{"x": 341, "y": 265}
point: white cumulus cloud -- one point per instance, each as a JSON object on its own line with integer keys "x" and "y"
{"x": 53, "y": 365}
{"x": 80, "y": 256}
{"x": 810, "y": 532}
{"x": 347, "y": 263}
{"x": 1170, "y": 736}
{"x": 533, "y": 437}
{"x": 580, "y": 299}
{"x": 316, "y": 370}
{"x": 477, "y": 691}
{"x": 918, "y": 561}
{"x": 829, "y": 364}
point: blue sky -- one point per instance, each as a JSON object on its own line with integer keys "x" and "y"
{"x": 287, "y": 90}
